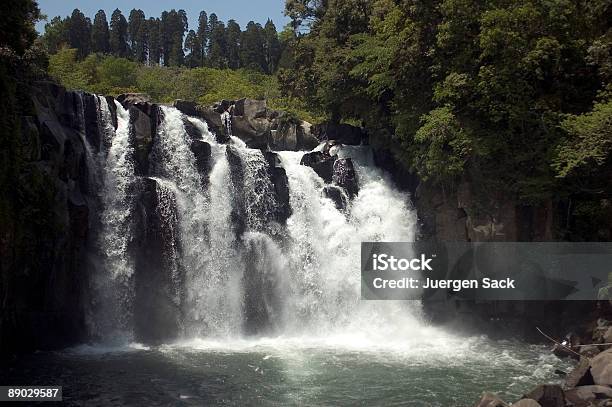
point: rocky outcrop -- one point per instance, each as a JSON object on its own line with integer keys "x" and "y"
{"x": 144, "y": 119}
{"x": 278, "y": 176}
{"x": 345, "y": 176}
{"x": 322, "y": 163}
{"x": 341, "y": 133}
{"x": 254, "y": 123}
{"x": 157, "y": 274}
{"x": 44, "y": 248}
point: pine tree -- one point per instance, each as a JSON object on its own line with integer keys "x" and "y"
{"x": 233, "y": 33}
{"x": 272, "y": 47}
{"x": 79, "y": 33}
{"x": 137, "y": 34}
{"x": 119, "y": 34}
{"x": 173, "y": 27}
{"x": 203, "y": 35}
{"x": 217, "y": 51}
{"x": 194, "y": 49}
{"x": 252, "y": 47}
{"x": 154, "y": 40}
{"x": 100, "y": 37}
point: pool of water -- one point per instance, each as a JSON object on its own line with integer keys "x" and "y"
{"x": 285, "y": 371}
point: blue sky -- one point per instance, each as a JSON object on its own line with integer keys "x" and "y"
{"x": 240, "y": 10}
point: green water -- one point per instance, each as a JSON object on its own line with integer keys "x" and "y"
{"x": 290, "y": 372}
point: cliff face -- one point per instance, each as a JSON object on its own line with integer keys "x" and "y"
{"x": 44, "y": 245}
{"x": 460, "y": 215}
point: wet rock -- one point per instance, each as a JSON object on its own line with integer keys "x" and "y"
{"x": 132, "y": 99}
{"x": 601, "y": 368}
{"x": 110, "y": 101}
{"x": 280, "y": 181}
{"x": 321, "y": 163}
{"x": 589, "y": 351}
{"x": 342, "y": 133}
{"x": 192, "y": 131}
{"x": 580, "y": 375}
{"x": 156, "y": 303}
{"x": 238, "y": 214}
{"x": 251, "y": 108}
{"x": 255, "y": 132}
{"x": 187, "y": 107}
{"x": 547, "y": 396}
{"x": 345, "y": 176}
{"x": 526, "y": 403}
{"x": 202, "y": 152}
{"x": 337, "y": 195}
{"x": 490, "y": 400}
{"x": 90, "y": 117}
{"x": 584, "y": 396}
{"x": 142, "y": 133}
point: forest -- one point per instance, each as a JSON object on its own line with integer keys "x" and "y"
{"x": 513, "y": 96}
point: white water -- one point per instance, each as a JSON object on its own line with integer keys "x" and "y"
{"x": 113, "y": 286}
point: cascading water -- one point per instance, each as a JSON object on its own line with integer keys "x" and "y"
{"x": 240, "y": 269}
{"x": 113, "y": 286}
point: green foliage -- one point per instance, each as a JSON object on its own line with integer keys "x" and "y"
{"x": 442, "y": 145}
{"x": 588, "y": 141}
{"x": 111, "y": 75}
{"x": 499, "y": 91}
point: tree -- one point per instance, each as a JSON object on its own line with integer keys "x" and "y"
{"x": 252, "y": 47}
{"x": 56, "y": 34}
{"x": 272, "y": 47}
{"x": 154, "y": 40}
{"x": 232, "y": 41}
{"x": 119, "y": 34}
{"x": 194, "y": 49}
{"x": 137, "y": 35}
{"x": 100, "y": 37}
{"x": 173, "y": 27}
{"x": 17, "y": 24}
{"x": 217, "y": 52}
{"x": 203, "y": 35}
{"x": 79, "y": 33}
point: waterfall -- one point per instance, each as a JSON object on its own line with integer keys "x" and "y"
{"x": 325, "y": 249}
{"x": 113, "y": 285}
{"x": 218, "y": 254}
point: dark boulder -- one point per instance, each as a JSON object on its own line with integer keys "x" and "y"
{"x": 202, "y": 152}
{"x": 547, "y": 395}
{"x": 321, "y": 163}
{"x": 255, "y": 132}
{"x": 279, "y": 179}
{"x": 90, "y": 118}
{"x": 192, "y": 131}
{"x": 342, "y": 133}
{"x": 133, "y": 99}
{"x": 586, "y": 396}
{"x": 251, "y": 108}
{"x": 337, "y": 195}
{"x": 580, "y": 375}
{"x": 143, "y": 129}
{"x": 187, "y": 107}
{"x": 238, "y": 214}
{"x": 601, "y": 368}
{"x": 110, "y": 101}
{"x": 346, "y": 177}
{"x": 156, "y": 304}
